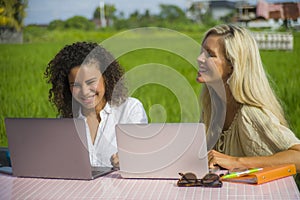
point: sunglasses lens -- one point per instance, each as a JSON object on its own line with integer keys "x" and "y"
{"x": 190, "y": 177}
{"x": 210, "y": 178}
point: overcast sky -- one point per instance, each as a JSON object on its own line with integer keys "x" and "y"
{"x": 44, "y": 11}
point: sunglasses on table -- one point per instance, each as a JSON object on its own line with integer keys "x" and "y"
{"x": 191, "y": 180}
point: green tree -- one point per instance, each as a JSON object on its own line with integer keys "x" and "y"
{"x": 56, "y": 24}
{"x": 79, "y": 22}
{"x": 134, "y": 19}
{"x": 146, "y": 19}
{"x": 170, "y": 16}
{"x": 207, "y": 19}
{"x": 171, "y": 13}
{"x": 12, "y": 13}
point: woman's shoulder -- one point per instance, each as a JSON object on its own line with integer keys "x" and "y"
{"x": 131, "y": 110}
{"x": 253, "y": 116}
{"x": 129, "y": 103}
{"x": 262, "y": 123}
{"x": 249, "y": 111}
{"x": 258, "y": 117}
{"x": 132, "y": 100}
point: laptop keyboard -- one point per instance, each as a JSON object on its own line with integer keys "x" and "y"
{"x": 101, "y": 171}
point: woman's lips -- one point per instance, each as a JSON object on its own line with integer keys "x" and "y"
{"x": 87, "y": 100}
{"x": 202, "y": 70}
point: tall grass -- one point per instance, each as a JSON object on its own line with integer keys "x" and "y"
{"x": 24, "y": 91}
{"x": 284, "y": 70}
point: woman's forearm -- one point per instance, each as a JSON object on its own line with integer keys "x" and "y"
{"x": 292, "y": 155}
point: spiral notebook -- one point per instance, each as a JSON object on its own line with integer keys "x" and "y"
{"x": 266, "y": 175}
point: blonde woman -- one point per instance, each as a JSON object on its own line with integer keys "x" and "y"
{"x": 253, "y": 131}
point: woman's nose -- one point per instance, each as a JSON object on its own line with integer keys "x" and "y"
{"x": 201, "y": 58}
{"x": 85, "y": 89}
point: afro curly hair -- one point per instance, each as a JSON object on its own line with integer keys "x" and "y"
{"x": 75, "y": 55}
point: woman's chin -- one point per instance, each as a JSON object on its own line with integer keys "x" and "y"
{"x": 200, "y": 79}
{"x": 88, "y": 106}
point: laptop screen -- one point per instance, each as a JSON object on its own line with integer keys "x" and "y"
{"x": 161, "y": 150}
{"x": 48, "y": 148}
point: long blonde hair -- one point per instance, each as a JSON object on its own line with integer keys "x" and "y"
{"x": 248, "y": 82}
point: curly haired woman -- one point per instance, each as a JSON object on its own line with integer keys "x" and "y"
{"x": 254, "y": 132}
{"x": 87, "y": 83}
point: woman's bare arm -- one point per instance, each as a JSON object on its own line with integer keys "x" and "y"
{"x": 292, "y": 155}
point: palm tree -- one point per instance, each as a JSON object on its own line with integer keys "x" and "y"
{"x": 12, "y": 13}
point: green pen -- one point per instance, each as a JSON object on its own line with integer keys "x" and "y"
{"x": 238, "y": 174}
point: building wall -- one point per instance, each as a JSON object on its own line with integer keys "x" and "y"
{"x": 278, "y": 10}
{"x": 7, "y": 36}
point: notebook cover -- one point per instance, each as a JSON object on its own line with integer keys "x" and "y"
{"x": 266, "y": 175}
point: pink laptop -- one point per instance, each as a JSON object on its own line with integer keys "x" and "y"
{"x": 50, "y": 148}
{"x": 161, "y": 150}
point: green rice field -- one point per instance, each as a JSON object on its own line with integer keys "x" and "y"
{"x": 24, "y": 91}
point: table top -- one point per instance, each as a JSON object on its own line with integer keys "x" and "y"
{"x": 112, "y": 186}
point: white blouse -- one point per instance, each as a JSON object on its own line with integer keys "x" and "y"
{"x": 105, "y": 145}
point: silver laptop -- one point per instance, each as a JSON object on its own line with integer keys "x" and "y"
{"x": 50, "y": 148}
{"x": 161, "y": 150}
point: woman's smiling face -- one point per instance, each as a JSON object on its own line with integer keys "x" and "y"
{"x": 87, "y": 86}
{"x": 212, "y": 62}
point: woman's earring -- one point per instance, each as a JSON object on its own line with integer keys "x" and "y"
{"x": 227, "y": 82}
{"x": 229, "y": 76}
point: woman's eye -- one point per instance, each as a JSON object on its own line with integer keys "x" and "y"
{"x": 209, "y": 54}
{"x": 75, "y": 85}
{"x": 91, "y": 82}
